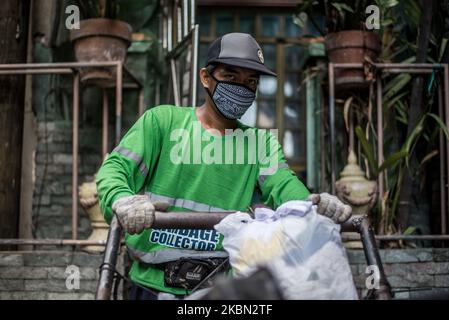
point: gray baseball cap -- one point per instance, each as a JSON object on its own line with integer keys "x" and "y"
{"x": 240, "y": 50}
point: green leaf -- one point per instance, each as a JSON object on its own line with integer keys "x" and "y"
{"x": 412, "y": 12}
{"x": 413, "y": 137}
{"x": 346, "y": 113}
{"x": 389, "y": 3}
{"x": 440, "y": 123}
{"x": 442, "y": 48}
{"x": 395, "y": 99}
{"x": 433, "y": 40}
{"x": 137, "y": 12}
{"x": 393, "y": 159}
{"x": 387, "y": 22}
{"x": 410, "y": 230}
{"x": 300, "y": 20}
{"x": 429, "y": 156}
{"x": 395, "y": 85}
{"x": 398, "y": 51}
{"x": 342, "y": 6}
{"x": 367, "y": 149}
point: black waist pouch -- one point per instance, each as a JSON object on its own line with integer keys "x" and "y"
{"x": 187, "y": 273}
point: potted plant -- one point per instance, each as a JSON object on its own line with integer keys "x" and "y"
{"x": 347, "y": 40}
{"x": 101, "y": 37}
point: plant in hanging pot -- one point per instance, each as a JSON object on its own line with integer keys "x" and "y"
{"x": 347, "y": 39}
{"x": 101, "y": 37}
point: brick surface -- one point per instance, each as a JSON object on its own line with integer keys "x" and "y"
{"x": 59, "y": 285}
{"x": 56, "y": 156}
{"x": 432, "y": 294}
{"x": 11, "y": 285}
{"x": 42, "y": 274}
{"x": 48, "y": 258}
{"x": 23, "y": 295}
{"x": 407, "y": 255}
{"x": 356, "y": 256}
{"x": 402, "y": 295}
{"x": 440, "y": 254}
{"x": 10, "y": 259}
{"x": 88, "y": 259}
{"x": 442, "y": 281}
{"x": 411, "y": 280}
{"x": 20, "y": 272}
{"x": 71, "y": 296}
{"x": 60, "y": 273}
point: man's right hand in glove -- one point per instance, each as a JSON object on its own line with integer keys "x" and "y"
{"x": 135, "y": 213}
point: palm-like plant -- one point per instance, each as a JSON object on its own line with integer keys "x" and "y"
{"x": 410, "y": 147}
{"x": 134, "y": 12}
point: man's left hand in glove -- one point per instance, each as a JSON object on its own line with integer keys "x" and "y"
{"x": 331, "y": 207}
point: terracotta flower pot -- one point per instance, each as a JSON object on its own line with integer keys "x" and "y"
{"x": 352, "y": 47}
{"x": 100, "y": 40}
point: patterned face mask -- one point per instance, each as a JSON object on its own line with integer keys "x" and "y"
{"x": 232, "y": 99}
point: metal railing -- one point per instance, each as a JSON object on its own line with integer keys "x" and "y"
{"x": 72, "y": 68}
{"x": 179, "y": 34}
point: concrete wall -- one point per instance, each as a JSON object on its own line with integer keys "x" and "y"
{"x": 41, "y": 274}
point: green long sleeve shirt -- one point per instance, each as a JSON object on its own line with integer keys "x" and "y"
{"x": 168, "y": 155}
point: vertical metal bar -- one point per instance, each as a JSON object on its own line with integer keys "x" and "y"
{"x": 26, "y": 198}
{"x": 192, "y": 13}
{"x": 194, "y": 65}
{"x": 105, "y": 123}
{"x": 174, "y": 77}
{"x": 75, "y": 124}
{"x": 185, "y": 19}
{"x": 351, "y": 131}
{"x": 380, "y": 135}
{"x": 170, "y": 30}
{"x": 280, "y": 97}
{"x": 164, "y": 31}
{"x": 332, "y": 124}
{"x": 118, "y": 103}
{"x": 442, "y": 166}
{"x": 141, "y": 102}
{"x": 178, "y": 23}
{"x": 311, "y": 145}
{"x": 319, "y": 134}
{"x": 446, "y": 112}
{"x": 104, "y": 288}
{"x": 158, "y": 92}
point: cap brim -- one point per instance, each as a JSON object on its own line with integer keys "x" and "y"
{"x": 248, "y": 64}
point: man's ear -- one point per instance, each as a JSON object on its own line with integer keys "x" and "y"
{"x": 205, "y": 78}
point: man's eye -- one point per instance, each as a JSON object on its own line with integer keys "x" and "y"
{"x": 230, "y": 77}
{"x": 253, "y": 82}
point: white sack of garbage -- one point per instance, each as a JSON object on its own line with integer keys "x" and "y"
{"x": 302, "y": 249}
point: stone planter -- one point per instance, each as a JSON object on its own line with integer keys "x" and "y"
{"x": 352, "y": 46}
{"x": 100, "y": 40}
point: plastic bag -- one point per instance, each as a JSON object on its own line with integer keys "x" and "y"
{"x": 302, "y": 248}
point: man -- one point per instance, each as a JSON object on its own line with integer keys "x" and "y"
{"x": 174, "y": 155}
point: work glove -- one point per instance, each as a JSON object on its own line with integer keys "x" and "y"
{"x": 136, "y": 213}
{"x": 331, "y": 207}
